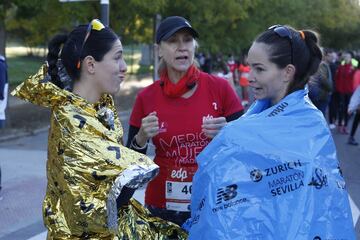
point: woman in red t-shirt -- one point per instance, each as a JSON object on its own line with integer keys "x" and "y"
{"x": 344, "y": 86}
{"x": 180, "y": 113}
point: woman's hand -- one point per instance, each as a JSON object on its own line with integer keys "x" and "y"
{"x": 149, "y": 128}
{"x": 212, "y": 126}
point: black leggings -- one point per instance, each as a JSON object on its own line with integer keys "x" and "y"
{"x": 355, "y": 123}
{"x": 333, "y": 107}
{"x": 344, "y": 102}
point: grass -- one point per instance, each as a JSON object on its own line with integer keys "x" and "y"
{"x": 20, "y": 65}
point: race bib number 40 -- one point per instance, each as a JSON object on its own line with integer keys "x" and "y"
{"x": 178, "y": 188}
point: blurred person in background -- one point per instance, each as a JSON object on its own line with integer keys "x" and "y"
{"x": 244, "y": 70}
{"x": 208, "y": 63}
{"x": 354, "y": 61}
{"x": 320, "y": 84}
{"x": 180, "y": 113}
{"x": 344, "y": 86}
{"x": 334, "y": 98}
{"x": 354, "y": 107}
{"x": 201, "y": 59}
{"x": 232, "y": 66}
{"x": 226, "y": 74}
{"x": 4, "y": 86}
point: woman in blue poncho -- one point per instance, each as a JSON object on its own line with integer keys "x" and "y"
{"x": 273, "y": 173}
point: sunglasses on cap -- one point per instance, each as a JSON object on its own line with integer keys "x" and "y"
{"x": 96, "y": 25}
{"x": 284, "y": 32}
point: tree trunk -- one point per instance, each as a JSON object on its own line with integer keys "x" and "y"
{"x": 2, "y": 37}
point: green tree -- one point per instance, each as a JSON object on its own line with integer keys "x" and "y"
{"x": 224, "y": 26}
{"x": 215, "y": 21}
{"x": 35, "y": 21}
{"x": 5, "y": 7}
{"x": 337, "y": 21}
{"x": 134, "y": 20}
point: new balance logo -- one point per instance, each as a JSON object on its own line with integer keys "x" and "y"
{"x": 225, "y": 194}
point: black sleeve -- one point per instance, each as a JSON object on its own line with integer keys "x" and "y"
{"x": 131, "y": 134}
{"x": 124, "y": 197}
{"x": 234, "y": 116}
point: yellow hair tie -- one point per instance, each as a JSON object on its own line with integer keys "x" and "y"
{"x": 97, "y": 25}
{"x": 302, "y": 35}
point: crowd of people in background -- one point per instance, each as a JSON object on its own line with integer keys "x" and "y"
{"x": 231, "y": 68}
{"x": 330, "y": 88}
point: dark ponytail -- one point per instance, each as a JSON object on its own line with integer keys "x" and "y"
{"x": 312, "y": 41}
{"x": 307, "y": 59}
{"x": 52, "y": 58}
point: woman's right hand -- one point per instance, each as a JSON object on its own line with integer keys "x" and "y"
{"x": 149, "y": 128}
{"x": 212, "y": 126}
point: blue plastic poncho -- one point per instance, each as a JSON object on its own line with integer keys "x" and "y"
{"x": 272, "y": 174}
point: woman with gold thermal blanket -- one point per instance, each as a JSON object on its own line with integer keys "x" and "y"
{"x": 91, "y": 176}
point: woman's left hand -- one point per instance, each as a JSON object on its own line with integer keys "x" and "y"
{"x": 212, "y": 126}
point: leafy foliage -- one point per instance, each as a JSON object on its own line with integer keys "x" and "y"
{"x": 224, "y": 26}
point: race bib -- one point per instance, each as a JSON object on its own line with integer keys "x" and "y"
{"x": 178, "y": 187}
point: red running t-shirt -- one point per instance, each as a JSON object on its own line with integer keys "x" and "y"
{"x": 180, "y": 139}
{"x": 244, "y": 75}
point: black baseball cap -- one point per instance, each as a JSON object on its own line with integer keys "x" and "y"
{"x": 171, "y": 25}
